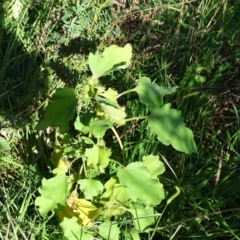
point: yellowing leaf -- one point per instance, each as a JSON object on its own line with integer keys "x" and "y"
{"x": 84, "y": 210}
{"x": 58, "y": 160}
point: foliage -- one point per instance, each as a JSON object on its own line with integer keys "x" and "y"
{"x": 45, "y": 46}
{"x": 135, "y": 187}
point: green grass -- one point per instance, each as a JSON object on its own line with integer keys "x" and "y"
{"x": 199, "y": 51}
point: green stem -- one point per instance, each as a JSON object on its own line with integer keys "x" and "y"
{"x": 135, "y": 118}
{"x": 157, "y": 223}
{"x": 120, "y": 144}
{"x": 112, "y": 160}
{"x": 121, "y": 94}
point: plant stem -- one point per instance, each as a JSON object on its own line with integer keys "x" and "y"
{"x": 125, "y": 92}
{"x": 135, "y": 118}
{"x": 120, "y": 144}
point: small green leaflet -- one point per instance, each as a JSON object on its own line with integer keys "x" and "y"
{"x": 111, "y": 95}
{"x": 140, "y": 185}
{"x": 53, "y": 194}
{"x": 60, "y": 110}
{"x": 82, "y": 123}
{"x": 114, "y": 114}
{"x": 99, "y": 127}
{"x": 151, "y": 94}
{"x": 98, "y": 157}
{"x": 90, "y": 187}
{"x": 73, "y": 231}
{"x": 112, "y": 110}
{"x": 168, "y": 124}
{"x": 154, "y": 165}
{"x": 115, "y": 198}
{"x": 112, "y": 58}
{"x": 109, "y": 231}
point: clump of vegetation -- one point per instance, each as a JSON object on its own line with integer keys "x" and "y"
{"x": 97, "y": 102}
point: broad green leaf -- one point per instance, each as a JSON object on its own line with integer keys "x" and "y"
{"x": 114, "y": 114}
{"x": 99, "y": 127}
{"x": 4, "y": 144}
{"x": 53, "y": 194}
{"x": 60, "y": 110}
{"x": 115, "y": 199}
{"x": 73, "y": 231}
{"x": 112, "y": 58}
{"x": 109, "y": 231}
{"x": 87, "y": 140}
{"x": 98, "y": 157}
{"x": 154, "y": 165}
{"x": 90, "y": 187}
{"x": 151, "y": 94}
{"x": 140, "y": 185}
{"x": 143, "y": 218}
{"x": 111, "y": 95}
{"x": 91, "y": 173}
{"x": 111, "y": 109}
{"x": 82, "y": 123}
{"x": 106, "y": 101}
{"x": 168, "y": 124}
{"x": 109, "y": 186}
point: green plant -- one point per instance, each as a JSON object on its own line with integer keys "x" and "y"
{"x": 83, "y": 164}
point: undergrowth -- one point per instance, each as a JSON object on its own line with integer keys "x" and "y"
{"x": 193, "y": 45}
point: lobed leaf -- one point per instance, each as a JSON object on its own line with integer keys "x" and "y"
{"x": 140, "y": 185}
{"x": 98, "y": 157}
{"x": 60, "y": 110}
{"x": 154, "y": 165}
{"x": 168, "y": 124}
{"x": 82, "y": 123}
{"x": 53, "y": 194}
{"x": 99, "y": 127}
{"x": 73, "y": 231}
{"x": 90, "y": 187}
{"x": 151, "y": 94}
{"x": 112, "y": 58}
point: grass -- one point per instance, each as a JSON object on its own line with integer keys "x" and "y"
{"x": 199, "y": 51}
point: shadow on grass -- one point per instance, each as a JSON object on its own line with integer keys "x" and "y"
{"x": 22, "y": 83}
